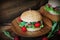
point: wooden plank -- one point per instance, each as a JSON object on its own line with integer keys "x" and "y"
{"x": 16, "y": 29}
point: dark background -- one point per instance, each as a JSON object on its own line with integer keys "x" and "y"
{"x": 15, "y": 8}
{"x": 10, "y": 9}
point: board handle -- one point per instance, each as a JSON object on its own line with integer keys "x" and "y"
{"x": 5, "y": 26}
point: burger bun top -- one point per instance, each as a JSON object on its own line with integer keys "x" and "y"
{"x": 31, "y": 16}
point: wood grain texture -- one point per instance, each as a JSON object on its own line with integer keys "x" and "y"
{"x": 16, "y": 29}
{"x": 12, "y": 9}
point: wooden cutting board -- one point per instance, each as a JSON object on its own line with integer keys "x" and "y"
{"x": 47, "y": 27}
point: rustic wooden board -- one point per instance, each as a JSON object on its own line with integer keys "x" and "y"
{"x": 47, "y": 27}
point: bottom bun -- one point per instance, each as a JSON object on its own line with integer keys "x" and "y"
{"x": 33, "y": 29}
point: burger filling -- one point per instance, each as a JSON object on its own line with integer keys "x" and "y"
{"x": 52, "y": 10}
{"x": 31, "y": 25}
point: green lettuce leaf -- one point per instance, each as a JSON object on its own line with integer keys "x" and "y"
{"x": 21, "y": 24}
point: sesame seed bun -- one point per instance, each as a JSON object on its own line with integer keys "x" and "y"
{"x": 31, "y": 16}
{"x": 54, "y": 3}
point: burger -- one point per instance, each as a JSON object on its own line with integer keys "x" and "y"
{"x": 51, "y": 10}
{"x": 31, "y": 24}
{"x": 31, "y": 21}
